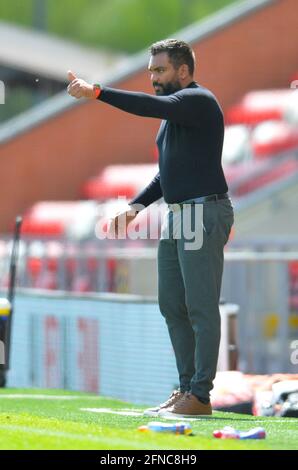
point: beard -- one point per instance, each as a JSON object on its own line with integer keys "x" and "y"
{"x": 166, "y": 89}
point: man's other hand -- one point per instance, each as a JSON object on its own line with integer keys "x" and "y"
{"x": 118, "y": 225}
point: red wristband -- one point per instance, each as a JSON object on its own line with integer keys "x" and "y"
{"x": 97, "y": 90}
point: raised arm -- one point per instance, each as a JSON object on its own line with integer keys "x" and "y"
{"x": 184, "y": 107}
{"x": 181, "y": 107}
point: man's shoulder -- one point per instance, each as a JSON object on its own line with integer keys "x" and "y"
{"x": 200, "y": 98}
{"x": 196, "y": 90}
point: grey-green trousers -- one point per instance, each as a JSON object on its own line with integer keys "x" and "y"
{"x": 189, "y": 283}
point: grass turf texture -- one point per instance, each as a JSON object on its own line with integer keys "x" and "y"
{"x": 59, "y": 423}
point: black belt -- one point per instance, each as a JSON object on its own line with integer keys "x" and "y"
{"x": 200, "y": 200}
{"x": 211, "y": 197}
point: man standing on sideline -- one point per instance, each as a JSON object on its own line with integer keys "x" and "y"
{"x": 190, "y": 142}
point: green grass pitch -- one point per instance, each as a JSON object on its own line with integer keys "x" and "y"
{"x": 57, "y": 419}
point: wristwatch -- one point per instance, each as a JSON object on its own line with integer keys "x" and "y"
{"x": 97, "y": 90}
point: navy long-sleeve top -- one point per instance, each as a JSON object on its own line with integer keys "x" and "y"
{"x": 189, "y": 140}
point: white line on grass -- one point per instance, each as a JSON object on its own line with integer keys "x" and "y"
{"x": 131, "y": 412}
{"x": 114, "y": 412}
{"x": 265, "y": 420}
{"x": 48, "y": 397}
{"x": 125, "y": 412}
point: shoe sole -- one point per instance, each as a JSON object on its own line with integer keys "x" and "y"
{"x": 169, "y": 414}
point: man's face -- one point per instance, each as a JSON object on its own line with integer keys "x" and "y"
{"x": 163, "y": 75}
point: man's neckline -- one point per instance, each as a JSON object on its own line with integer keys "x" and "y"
{"x": 191, "y": 84}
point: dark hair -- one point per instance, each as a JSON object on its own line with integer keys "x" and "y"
{"x": 179, "y": 52}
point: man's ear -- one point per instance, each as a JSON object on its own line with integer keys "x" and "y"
{"x": 183, "y": 71}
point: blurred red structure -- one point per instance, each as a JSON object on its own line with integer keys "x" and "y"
{"x": 119, "y": 181}
{"x": 259, "y": 106}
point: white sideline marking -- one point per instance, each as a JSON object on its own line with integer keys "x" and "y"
{"x": 47, "y": 397}
{"x": 271, "y": 419}
{"x": 114, "y": 412}
{"x": 131, "y": 412}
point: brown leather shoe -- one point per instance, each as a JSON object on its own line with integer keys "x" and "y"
{"x": 187, "y": 407}
{"x": 175, "y": 396}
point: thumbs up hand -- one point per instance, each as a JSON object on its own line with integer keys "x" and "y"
{"x": 78, "y": 88}
{"x": 71, "y": 76}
